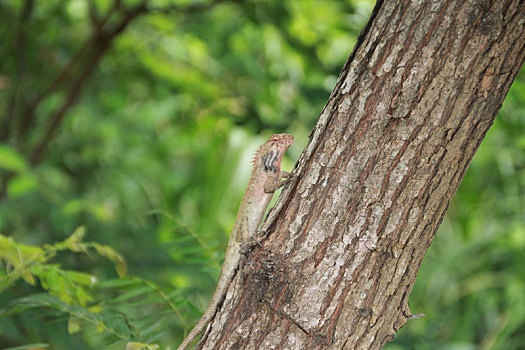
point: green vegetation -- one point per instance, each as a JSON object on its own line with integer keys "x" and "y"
{"x": 125, "y": 135}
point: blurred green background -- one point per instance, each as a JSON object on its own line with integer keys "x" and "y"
{"x": 137, "y": 123}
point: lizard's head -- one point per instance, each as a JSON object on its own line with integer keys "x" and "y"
{"x": 270, "y": 154}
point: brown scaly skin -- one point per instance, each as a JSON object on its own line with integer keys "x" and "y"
{"x": 265, "y": 180}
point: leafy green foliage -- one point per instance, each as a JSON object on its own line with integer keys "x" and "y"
{"x": 75, "y": 293}
{"x": 105, "y": 320}
{"x": 150, "y": 156}
{"x": 68, "y": 291}
{"x": 28, "y": 262}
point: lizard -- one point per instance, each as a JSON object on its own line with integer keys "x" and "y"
{"x": 266, "y": 178}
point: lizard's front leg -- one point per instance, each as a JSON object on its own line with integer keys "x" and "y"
{"x": 272, "y": 183}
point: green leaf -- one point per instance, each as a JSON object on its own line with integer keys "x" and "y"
{"x": 116, "y": 258}
{"x": 74, "y": 242}
{"x": 117, "y": 283}
{"x": 140, "y": 290}
{"x": 6, "y": 245}
{"x": 29, "y": 346}
{"x": 141, "y": 346}
{"x": 77, "y": 236}
{"x": 81, "y": 296}
{"x": 108, "y": 321}
{"x": 28, "y": 277}
{"x": 29, "y": 252}
{"x": 11, "y": 160}
{"x": 54, "y": 280}
{"x": 73, "y": 324}
{"x": 80, "y": 278}
{"x": 21, "y": 185}
{"x": 16, "y": 258}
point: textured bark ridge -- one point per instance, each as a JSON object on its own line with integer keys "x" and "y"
{"x": 346, "y": 239}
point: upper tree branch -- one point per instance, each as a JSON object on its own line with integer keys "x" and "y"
{"x": 66, "y": 72}
{"x": 19, "y": 50}
{"x": 73, "y": 76}
{"x": 96, "y": 46}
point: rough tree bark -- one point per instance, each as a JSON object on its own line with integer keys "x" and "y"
{"x": 346, "y": 239}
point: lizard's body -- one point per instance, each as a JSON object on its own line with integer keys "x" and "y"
{"x": 265, "y": 179}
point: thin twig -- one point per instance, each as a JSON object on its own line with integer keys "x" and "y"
{"x": 185, "y": 9}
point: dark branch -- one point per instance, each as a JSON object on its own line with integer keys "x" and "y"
{"x": 72, "y": 77}
{"x": 195, "y": 7}
{"x": 66, "y": 72}
{"x": 19, "y": 50}
{"x": 99, "y": 43}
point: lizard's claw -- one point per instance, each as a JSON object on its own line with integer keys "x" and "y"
{"x": 289, "y": 179}
{"x": 285, "y": 174}
{"x": 260, "y": 235}
{"x": 255, "y": 240}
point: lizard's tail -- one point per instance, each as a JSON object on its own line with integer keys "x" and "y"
{"x": 195, "y": 331}
{"x": 229, "y": 268}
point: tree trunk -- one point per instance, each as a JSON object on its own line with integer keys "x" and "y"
{"x": 347, "y": 237}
